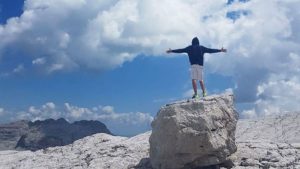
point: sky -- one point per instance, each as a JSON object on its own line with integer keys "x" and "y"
{"x": 105, "y": 60}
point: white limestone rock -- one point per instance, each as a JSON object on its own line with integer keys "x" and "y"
{"x": 282, "y": 128}
{"x": 270, "y": 142}
{"x": 100, "y": 151}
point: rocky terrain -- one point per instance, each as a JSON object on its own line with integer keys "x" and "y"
{"x": 262, "y": 143}
{"x": 271, "y": 142}
{"x": 99, "y": 151}
{"x": 26, "y": 135}
{"x": 281, "y": 128}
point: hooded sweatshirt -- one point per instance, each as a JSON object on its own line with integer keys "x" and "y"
{"x": 196, "y": 52}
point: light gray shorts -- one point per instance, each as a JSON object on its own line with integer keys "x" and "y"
{"x": 196, "y": 72}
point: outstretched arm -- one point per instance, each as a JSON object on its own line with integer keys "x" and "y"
{"x": 208, "y": 50}
{"x": 184, "y": 50}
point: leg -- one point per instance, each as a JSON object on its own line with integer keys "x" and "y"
{"x": 202, "y": 86}
{"x": 194, "y": 82}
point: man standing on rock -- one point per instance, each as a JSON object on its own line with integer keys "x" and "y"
{"x": 195, "y": 53}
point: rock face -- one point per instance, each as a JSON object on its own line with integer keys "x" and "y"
{"x": 192, "y": 134}
{"x": 36, "y": 135}
{"x": 11, "y": 133}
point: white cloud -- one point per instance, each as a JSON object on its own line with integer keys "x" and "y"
{"x": 107, "y": 109}
{"x": 74, "y": 112}
{"x": 263, "y": 44}
{"x": 100, "y": 34}
{"x": 18, "y": 69}
{"x": 39, "y": 61}
{"x": 46, "y": 111}
{"x": 278, "y": 96}
{"x": 2, "y": 111}
{"x": 119, "y": 123}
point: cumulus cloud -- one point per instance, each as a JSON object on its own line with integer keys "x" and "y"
{"x": 263, "y": 56}
{"x": 119, "y": 123}
{"x": 46, "y": 111}
{"x": 262, "y": 38}
{"x": 66, "y": 35}
{"x": 276, "y": 96}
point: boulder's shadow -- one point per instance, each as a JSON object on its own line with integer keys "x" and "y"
{"x": 143, "y": 164}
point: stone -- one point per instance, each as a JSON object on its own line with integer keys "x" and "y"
{"x": 189, "y": 134}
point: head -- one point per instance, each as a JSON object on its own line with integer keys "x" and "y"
{"x": 195, "y": 41}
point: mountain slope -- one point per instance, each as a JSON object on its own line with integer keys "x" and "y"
{"x": 25, "y": 135}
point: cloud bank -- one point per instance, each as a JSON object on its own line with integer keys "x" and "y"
{"x": 262, "y": 38}
{"x": 119, "y": 123}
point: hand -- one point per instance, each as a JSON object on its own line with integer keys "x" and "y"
{"x": 169, "y": 50}
{"x": 223, "y": 50}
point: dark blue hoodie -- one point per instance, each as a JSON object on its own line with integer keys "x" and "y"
{"x": 196, "y": 52}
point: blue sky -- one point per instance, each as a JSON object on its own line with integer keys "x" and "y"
{"x": 81, "y": 61}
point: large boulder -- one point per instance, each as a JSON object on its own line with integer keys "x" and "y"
{"x": 189, "y": 134}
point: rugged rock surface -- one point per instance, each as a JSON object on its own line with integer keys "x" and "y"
{"x": 193, "y": 134}
{"x": 42, "y": 134}
{"x": 272, "y": 142}
{"x": 283, "y": 128}
{"x": 100, "y": 151}
{"x": 265, "y": 155}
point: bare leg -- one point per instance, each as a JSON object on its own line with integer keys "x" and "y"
{"x": 194, "y": 82}
{"x": 202, "y": 86}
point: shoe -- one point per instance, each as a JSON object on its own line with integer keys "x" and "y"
{"x": 204, "y": 94}
{"x": 195, "y": 96}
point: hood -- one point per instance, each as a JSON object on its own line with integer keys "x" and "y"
{"x": 195, "y": 41}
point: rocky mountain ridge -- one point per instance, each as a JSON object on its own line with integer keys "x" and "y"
{"x": 27, "y": 135}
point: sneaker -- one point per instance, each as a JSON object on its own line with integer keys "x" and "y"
{"x": 195, "y": 96}
{"x": 204, "y": 94}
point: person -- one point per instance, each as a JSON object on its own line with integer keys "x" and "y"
{"x": 196, "y": 57}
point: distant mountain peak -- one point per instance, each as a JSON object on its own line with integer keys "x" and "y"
{"x": 46, "y": 133}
